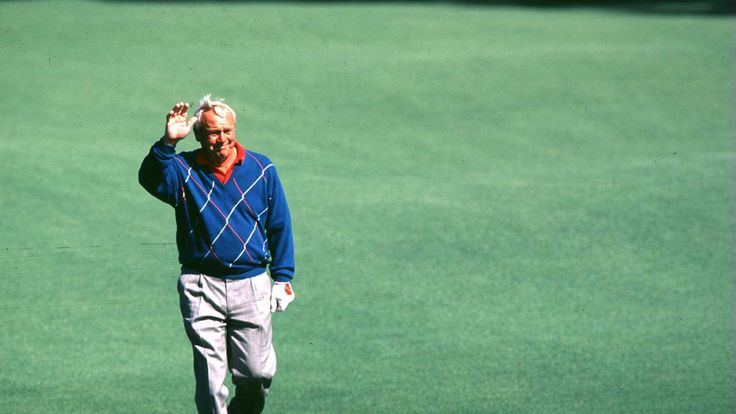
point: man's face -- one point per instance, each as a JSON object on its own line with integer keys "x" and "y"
{"x": 217, "y": 134}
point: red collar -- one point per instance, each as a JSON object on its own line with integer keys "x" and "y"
{"x": 221, "y": 175}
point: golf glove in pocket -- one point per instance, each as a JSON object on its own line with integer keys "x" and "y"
{"x": 281, "y": 296}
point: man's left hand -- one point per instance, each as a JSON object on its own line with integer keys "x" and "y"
{"x": 282, "y": 295}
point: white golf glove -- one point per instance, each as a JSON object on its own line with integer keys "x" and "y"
{"x": 281, "y": 296}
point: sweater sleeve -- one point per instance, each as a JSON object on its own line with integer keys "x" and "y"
{"x": 278, "y": 228}
{"x": 158, "y": 173}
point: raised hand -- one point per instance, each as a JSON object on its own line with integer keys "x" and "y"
{"x": 177, "y": 124}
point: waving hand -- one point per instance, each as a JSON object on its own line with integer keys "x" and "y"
{"x": 177, "y": 124}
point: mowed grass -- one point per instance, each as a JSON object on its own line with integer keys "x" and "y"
{"x": 496, "y": 210}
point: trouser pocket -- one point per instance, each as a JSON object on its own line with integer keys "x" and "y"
{"x": 190, "y": 294}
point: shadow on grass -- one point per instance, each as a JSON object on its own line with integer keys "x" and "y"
{"x": 673, "y": 7}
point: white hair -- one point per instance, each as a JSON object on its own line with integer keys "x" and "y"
{"x": 217, "y": 105}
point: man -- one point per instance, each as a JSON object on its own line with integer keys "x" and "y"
{"x": 232, "y": 223}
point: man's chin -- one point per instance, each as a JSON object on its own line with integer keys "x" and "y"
{"x": 219, "y": 156}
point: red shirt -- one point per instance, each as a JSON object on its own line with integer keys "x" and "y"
{"x": 222, "y": 174}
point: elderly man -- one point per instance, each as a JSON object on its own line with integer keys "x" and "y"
{"x": 232, "y": 224}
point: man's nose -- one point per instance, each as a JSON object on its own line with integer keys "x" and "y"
{"x": 221, "y": 136}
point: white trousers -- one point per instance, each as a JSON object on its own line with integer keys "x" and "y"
{"x": 228, "y": 323}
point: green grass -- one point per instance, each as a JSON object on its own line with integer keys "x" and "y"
{"x": 497, "y": 209}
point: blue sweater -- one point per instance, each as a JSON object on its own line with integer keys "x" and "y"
{"x": 231, "y": 230}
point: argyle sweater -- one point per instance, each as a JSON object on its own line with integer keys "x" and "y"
{"x": 232, "y": 230}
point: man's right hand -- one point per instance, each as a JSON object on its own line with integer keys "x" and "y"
{"x": 177, "y": 125}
